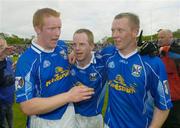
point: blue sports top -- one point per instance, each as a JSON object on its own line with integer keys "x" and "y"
{"x": 130, "y": 78}
{"x": 41, "y": 73}
{"x": 93, "y": 75}
{"x": 7, "y": 92}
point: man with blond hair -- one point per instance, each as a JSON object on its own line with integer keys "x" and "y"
{"x": 43, "y": 84}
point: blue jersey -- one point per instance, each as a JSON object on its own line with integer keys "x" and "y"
{"x": 130, "y": 80}
{"x": 94, "y": 76}
{"x": 7, "y": 91}
{"x": 43, "y": 74}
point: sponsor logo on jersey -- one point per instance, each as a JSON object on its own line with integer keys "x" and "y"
{"x": 136, "y": 70}
{"x": 111, "y": 64}
{"x": 19, "y": 82}
{"x": 60, "y": 73}
{"x": 93, "y": 76}
{"x": 63, "y": 54}
{"x": 120, "y": 85}
{"x": 46, "y": 63}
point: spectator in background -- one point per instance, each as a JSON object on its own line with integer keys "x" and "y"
{"x": 6, "y": 85}
{"x": 43, "y": 84}
{"x": 165, "y": 41}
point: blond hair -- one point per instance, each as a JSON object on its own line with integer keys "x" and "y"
{"x": 39, "y": 15}
{"x": 88, "y": 33}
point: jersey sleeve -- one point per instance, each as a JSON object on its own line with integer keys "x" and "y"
{"x": 63, "y": 45}
{"x": 24, "y": 79}
{"x": 106, "y": 52}
{"x": 158, "y": 83}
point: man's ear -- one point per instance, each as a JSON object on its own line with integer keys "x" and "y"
{"x": 37, "y": 30}
{"x": 92, "y": 46}
{"x": 135, "y": 32}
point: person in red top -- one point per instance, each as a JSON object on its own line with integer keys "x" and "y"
{"x": 165, "y": 40}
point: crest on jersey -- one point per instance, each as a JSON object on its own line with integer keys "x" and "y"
{"x": 111, "y": 64}
{"x": 136, "y": 70}
{"x": 93, "y": 76}
{"x": 63, "y": 54}
{"x": 46, "y": 63}
{"x": 19, "y": 82}
{"x": 166, "y": 86}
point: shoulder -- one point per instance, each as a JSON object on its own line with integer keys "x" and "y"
{"x": 108, "y": 50}
{"x": 29, "y": 55}
{"x": 61, "y": 43}
{"x": 27, "y": 59}
{"x": 151, "y": 59}
{"x": 153, "y": 62}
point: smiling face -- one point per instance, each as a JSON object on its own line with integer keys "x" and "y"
{"x": 82, "y": 48}
{"x": 49, "y": 32}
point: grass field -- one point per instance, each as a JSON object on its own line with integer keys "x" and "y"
{"x": 19, "y": 117}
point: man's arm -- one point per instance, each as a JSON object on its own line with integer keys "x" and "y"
{"x": 45, "y": 105}
{"x": 159, "y": 118}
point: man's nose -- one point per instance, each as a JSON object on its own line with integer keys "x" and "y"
{"x": 57, "y": 31}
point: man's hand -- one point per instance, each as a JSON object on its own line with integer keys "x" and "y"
{"x": 79, "y": 93}
{"x": 9, "y": 50}
{"x": 71, "y": 58}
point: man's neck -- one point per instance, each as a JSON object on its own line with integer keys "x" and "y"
{"x": 127, "y": 51}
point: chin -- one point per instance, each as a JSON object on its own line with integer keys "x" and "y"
{"x": 79, "y": 59}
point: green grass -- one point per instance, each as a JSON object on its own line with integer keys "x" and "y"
{"x": 19, "y": 117}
